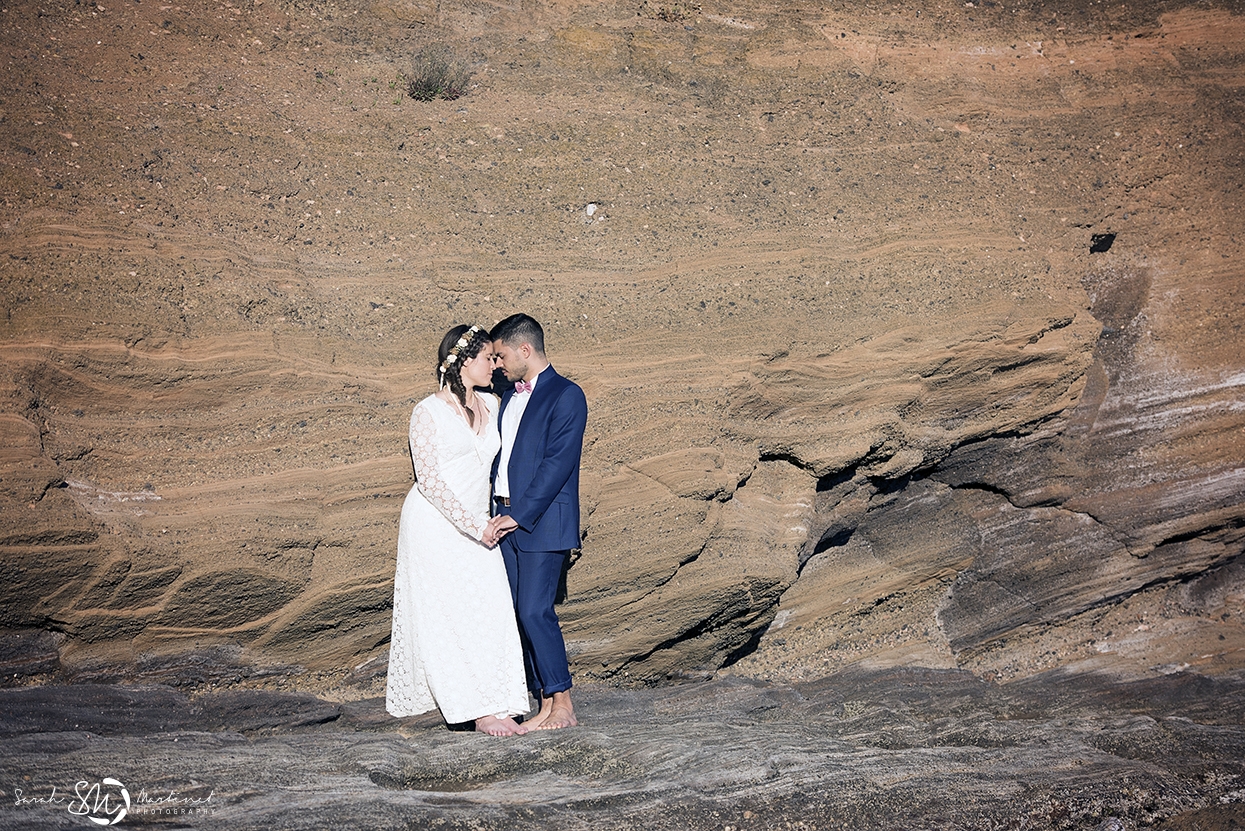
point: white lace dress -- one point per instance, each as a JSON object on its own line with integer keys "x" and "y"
{"x": 455, "y": 643}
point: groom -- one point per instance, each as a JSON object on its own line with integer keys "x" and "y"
{"x": 536, "y": 495}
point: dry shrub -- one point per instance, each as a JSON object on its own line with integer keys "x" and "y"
{"x": 438, "y": 73}
{"x": 669, "y": 12}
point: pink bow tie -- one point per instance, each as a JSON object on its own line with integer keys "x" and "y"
{"x": 522, "y": 387}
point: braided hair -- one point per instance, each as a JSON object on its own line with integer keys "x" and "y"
{"x": 459, "y": 344}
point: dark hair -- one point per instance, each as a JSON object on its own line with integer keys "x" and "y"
{"x": 450, "y": 372}
{"x": 518, "y": 329}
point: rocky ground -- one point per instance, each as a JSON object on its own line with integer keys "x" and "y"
{"x": 893, "y": 749}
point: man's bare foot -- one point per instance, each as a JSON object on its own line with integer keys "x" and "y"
{"x": 555, "y": 713}
{"x": 495, "y": 726}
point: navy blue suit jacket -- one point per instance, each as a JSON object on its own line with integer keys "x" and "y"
{"x": 544, "y": 464}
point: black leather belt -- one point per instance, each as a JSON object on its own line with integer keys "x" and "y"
{"x": 504, "y": 501}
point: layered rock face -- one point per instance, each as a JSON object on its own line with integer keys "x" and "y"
{"x": 910, "y": 335}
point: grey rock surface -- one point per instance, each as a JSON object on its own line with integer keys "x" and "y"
{"x": 887, "y": 749}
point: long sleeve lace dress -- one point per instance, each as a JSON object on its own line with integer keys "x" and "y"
{"x": 455, "y": 643}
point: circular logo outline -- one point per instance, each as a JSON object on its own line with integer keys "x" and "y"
{"x": 125, "y": 795}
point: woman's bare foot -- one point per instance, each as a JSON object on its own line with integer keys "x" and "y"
{"x": 555, "y": 713}
{"x": 495, "y": 726}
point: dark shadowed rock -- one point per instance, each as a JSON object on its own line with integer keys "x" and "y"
{"x": 115, "y": 710}
{"x": 898, "y": 748}
{"x": 25, "y": 653}
{"x": 250, "y": 711}
{"x": 100, "y": 709}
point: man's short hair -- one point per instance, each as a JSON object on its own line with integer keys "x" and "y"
{"x": 519, "y": 329}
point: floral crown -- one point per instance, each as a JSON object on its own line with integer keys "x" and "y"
{"x": 459, "y": 346}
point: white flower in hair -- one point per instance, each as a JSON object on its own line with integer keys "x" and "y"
{"x": 458, "y": 347}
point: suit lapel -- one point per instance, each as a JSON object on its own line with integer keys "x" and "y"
{"x": 535, "y": 407}
{"x": 505, "y": 400}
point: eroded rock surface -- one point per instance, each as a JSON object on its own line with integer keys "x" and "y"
{"x": 909, "y": 338}
{"x": 894, "y": 748}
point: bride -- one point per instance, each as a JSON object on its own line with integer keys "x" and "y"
{"x": 455, "y": 643}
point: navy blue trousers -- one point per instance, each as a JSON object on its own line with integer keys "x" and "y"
{"x": 534, "y": 578}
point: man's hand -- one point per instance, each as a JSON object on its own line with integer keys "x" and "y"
{"x": 498, "y": 527}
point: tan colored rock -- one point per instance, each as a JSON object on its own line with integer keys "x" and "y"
{"x": 852, "y": 398}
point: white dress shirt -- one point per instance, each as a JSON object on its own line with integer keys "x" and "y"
{"x": 509, "y": 429}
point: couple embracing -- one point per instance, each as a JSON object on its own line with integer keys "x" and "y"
{"x": 485, "y": 534}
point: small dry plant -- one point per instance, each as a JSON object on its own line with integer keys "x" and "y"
{"x": 438, "y": 73}
{"x": 669, "y": 12}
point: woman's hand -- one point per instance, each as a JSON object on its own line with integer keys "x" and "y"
{"x": 498, "y": 527}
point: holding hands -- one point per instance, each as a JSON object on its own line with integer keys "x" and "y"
{"x": 498, "y": 527}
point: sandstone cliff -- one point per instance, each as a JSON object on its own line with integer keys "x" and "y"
{"x": 911, "y": 334}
